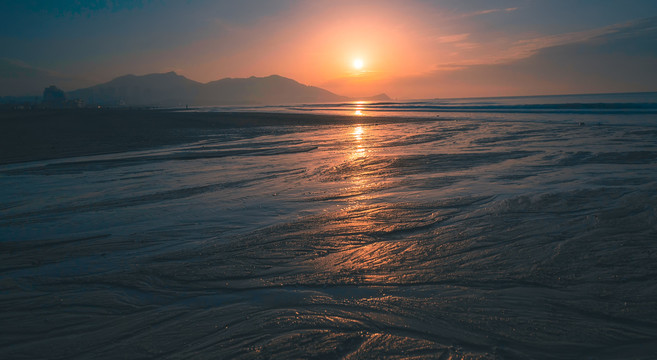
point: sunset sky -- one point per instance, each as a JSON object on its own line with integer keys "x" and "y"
{"x": 408, "y": 49}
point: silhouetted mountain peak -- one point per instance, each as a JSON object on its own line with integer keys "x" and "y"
{"x": 378, "y": 97}
{"x": 171, "y": 89}
{"x": 154, "y": 76}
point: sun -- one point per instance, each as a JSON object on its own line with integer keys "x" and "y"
{"x": 358, "y": 64}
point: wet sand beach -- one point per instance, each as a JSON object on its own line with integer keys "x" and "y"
{"x": 159, "y": 234}
{"x": 28, "y": 135}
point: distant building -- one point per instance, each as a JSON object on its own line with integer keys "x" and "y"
{"x": 54, "y": 97}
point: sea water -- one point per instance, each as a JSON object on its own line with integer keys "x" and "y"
{"x": 473, "y": 229}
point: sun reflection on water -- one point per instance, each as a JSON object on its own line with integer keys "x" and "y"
{"x": 358, "y": 149}
{"x": 358, "y": 110}
{"x": 363, "y": 215}
{"x": 358, "y": 152}
{"x": 358, "y": 132}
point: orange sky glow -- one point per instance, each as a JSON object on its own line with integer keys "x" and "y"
{"x": 410, "y": 49}
{"x": 393, "y": 42}
{"x": 418, "y": 51}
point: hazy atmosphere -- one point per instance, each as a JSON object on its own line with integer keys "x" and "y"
{"x": 408, "y": 49}
{"x": 328, "y": 179}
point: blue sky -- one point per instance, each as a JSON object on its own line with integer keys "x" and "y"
{"x": 408, "y": 45}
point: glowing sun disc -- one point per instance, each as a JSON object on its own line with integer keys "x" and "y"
{"x": 358, "y": 64}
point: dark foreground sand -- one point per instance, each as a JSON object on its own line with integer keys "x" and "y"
{"x": 50, "y": 134}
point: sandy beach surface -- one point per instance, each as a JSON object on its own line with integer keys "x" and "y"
{"x": 28, "y": 135}
{"x": 162, "y": 234}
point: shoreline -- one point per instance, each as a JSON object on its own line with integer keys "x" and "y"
{"x": 33, "y": 135}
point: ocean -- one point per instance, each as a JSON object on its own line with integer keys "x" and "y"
{"x": 498, "y": 228}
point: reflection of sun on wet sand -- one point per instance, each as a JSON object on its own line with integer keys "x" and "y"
{"x": 362, "y": 180}
{"x": 359, "y": 108}
{"x": 358, "y": 132}
{"x": 359, "y": 146}
{"x": 51, "y": 134}
{"x": 382, "y": 237}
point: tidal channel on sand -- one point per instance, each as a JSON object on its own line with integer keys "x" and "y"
{"x": 464, "y": 237}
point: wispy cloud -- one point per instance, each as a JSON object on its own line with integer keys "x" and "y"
{"x": 528, "y": 47}
{"x": 448, "y": 67}
{"x": 471, "y": 53}
{"x": 467, "y": 45}
{"x": 525, "y": 48}
{"x": 452, "y": 38}
{"x": 489, "y": 11}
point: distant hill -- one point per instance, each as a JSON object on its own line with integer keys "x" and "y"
{"x": 168, "y": 89}
{"x": 21, "y": 80}
{"x": 171, "y": 89}
{"x": 272, "y": 89}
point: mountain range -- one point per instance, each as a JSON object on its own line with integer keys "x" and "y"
{"x": 171, "y": 89}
